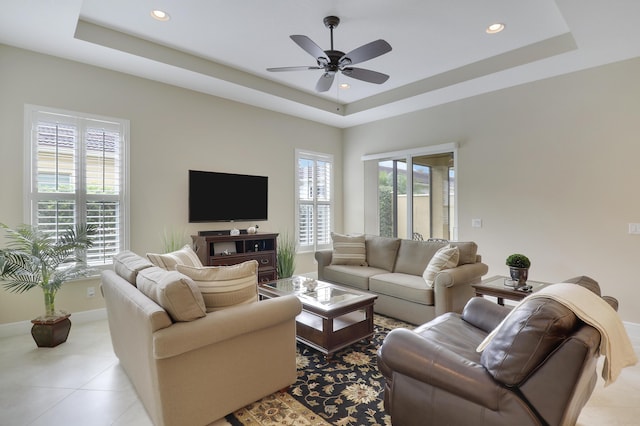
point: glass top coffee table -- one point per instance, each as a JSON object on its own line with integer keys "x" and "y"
{"x": 332, "y": 317}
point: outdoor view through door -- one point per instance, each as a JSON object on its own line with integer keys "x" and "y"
{"x": 420, "y": 204}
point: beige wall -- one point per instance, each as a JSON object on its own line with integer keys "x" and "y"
{"x": 550, "y": 167}
{"x": 172, "y": 130}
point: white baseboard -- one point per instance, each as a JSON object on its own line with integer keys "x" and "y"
{"x": 24, "y": 327}
{"x": 633, "y": 330}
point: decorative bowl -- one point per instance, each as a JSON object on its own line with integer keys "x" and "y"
{"x": 311, "y": 284}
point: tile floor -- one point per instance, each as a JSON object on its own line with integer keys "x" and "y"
{"x": 80, "y": 383}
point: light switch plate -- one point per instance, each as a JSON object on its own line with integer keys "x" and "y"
{"x": 476, "y": 223}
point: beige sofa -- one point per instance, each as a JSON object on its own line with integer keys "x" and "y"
{"x": 196, "y": 371}
{"x": 395, "y": 270}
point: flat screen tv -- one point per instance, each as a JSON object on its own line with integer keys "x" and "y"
{"x": 226, "y": 197}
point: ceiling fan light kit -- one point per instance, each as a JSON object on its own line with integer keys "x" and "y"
{"x": 333, "y": 61}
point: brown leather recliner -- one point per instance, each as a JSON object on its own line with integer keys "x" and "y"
{"x": 540, "y": 369}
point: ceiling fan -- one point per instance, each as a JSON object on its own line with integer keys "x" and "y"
{"x": 332, "y": 61}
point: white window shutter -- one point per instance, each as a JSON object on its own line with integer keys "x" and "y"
{"x": 78, "y": 175}
{"x": 314, "y": 200}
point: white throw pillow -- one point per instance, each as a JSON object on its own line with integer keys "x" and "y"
{"x": 445, "y": 258}
{"x": 224, "y": 286}
{"x": 348, "y": 250}
{"x": 168, "y": 261}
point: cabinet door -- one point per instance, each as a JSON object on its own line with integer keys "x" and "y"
{"x": 266, "y": 276}
{"x": 264, "y": 260}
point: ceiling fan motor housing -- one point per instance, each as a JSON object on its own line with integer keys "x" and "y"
{"x": 334, "y": 60}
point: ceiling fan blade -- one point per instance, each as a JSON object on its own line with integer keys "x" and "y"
{"x": 366, "y": 75}
{"x": 310, "y": 47}
{"x": 325, "y": 82}
{"x": 365, "y": 52}
{"x": 302, "y": 68}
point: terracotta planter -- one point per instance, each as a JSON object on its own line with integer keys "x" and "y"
{"x": 520, "y": 275}
{"x": 49, "y": 333}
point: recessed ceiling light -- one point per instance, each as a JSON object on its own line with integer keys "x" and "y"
{"x": 344, "y": 86}
{"x": 160, "y": 15}
{"x": 495, "y": 28}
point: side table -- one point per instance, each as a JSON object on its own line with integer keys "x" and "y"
{"x": 495, "y": 287}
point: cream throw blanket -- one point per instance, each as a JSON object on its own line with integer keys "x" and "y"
{"x": 595, "y": 311}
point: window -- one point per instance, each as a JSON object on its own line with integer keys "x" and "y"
{"x": 76, "y": 173}
{"x": 314, "y": 200}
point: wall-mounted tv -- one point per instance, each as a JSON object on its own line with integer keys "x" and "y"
{"x": 226, "y": 197}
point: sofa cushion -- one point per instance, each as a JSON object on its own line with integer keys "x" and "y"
{"x": 450, "y": 331}
{"x": 526, "y": 337}
{"x": 348, "y": 250}
{"x": 350, "y": 275}
{"x": 174, "y": 292}
{"x": 127, "y": 264}
{"x": 414, "y": 256}
{"x": 445, "y": 258}
{"x": 468, "y": 251}
{"x": 168, "y": 261}
{"x": 402, "y": 286}
{"x": 382, "y": 251}
{"x": 224, "y": 286}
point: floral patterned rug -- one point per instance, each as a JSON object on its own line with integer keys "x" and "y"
{"x": 347, "y": 390}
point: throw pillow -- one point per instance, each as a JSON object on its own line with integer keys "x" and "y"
{"x": 175, "y": 293}
{"x": 224, "y": 286}
{"x": 168, "y": 261}
{"x": 445, "y": 258}
{"x": 127, "y": 265}
{"x": 349, "y": 250}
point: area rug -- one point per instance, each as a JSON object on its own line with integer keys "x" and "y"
{"x": 347, "y": 390}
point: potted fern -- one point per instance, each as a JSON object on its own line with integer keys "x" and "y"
{"x": 35, "y": 258}
{"x": 518, "y": 268}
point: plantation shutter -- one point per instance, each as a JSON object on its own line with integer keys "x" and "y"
{"x": 102, "y": 145}
{"x": 77, "y": 177}
{"x": 314, "y": 200}
{"x": 323, "y": 203}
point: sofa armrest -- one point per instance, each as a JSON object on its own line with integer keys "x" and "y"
{"x": 323, "y": 257}
{"x": 407, "y": 353}
{"x": 461, "y": 275}
{"x": 452, "y": 287}
{"x": 221, "y": 325}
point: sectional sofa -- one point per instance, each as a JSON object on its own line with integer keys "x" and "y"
{"x": 395, "y": 270}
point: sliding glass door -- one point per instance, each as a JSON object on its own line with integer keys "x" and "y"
{"x": 420, "y": 204}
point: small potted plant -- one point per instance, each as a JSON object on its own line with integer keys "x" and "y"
{"x": 518, "y": 268}
{"x": 34, "y": 258}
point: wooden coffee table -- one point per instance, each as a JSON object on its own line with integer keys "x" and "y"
{"x": 495, "y": 286}
{"x": 332, "y": 317}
